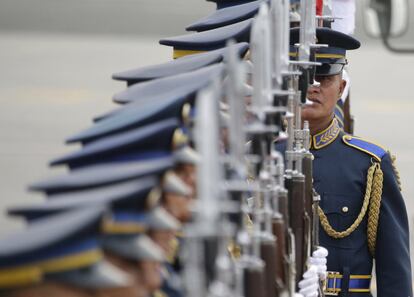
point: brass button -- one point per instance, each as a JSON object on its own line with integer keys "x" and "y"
{"x": 345, "y": 209}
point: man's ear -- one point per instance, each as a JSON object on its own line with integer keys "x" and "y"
{"x": 342, "y": 86}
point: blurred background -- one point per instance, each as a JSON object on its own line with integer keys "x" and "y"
{"x": 57, "y": 57}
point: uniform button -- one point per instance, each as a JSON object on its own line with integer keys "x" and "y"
{"x": 345, "y": 209}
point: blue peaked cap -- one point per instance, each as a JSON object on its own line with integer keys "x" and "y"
{"x": 157, "y": 136}
{"x": 63, "y": 247}
{"x": 330, "y": 37}
{"x": 211, "y": 39}
{"x": 178, "y": 66}
{"x": 153, "y": 101}
{"x": 39, "y": 241}
{"x": 105, "y": 174}
{"x": 227, "y": 16}
{"x": 136, "y": 115}
{"x": 172, "y": 87}
{"x": 333, "y": 57}
{"x": 125, "y": 197}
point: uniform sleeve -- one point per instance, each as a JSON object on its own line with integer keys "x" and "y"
{"x": 392, "y": 256}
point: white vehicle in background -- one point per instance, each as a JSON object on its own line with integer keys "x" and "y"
{"x": 388, "y": 20}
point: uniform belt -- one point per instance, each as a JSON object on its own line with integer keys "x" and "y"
{"x": 357, "y": 283}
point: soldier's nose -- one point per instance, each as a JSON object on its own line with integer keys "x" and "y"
{"x": 313, "y": 89}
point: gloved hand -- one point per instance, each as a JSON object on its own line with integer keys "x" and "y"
{"x": 309, "y": 285}
{"x": 319, "y": 260}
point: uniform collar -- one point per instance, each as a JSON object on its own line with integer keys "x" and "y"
{"x": 327, "y": 136}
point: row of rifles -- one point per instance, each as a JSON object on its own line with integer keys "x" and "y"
{"x": 253, "y": 201}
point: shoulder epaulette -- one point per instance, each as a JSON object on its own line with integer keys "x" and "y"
{"x": 368, "y": 147}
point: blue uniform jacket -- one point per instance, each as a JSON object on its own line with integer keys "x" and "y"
{"x": 171, "y": 285}
{"x": 340, "y": 176}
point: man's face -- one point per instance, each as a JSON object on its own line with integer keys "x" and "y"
{"x": 151, "y": 274}
{"x": 323, "y": 98}
{"x": 165, "y": 239}
{"x": 129, "y": 267}
{"x": 187, "y": 173}
{"x": 178, "y": 206}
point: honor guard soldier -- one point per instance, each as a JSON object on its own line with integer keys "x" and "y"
{"x": 162, "y": 229}
{"x": 132, "y": 215}
{"x": 60, "y": 256}
{"x": 362, "y": 213}
{"x": 167, "y": 188}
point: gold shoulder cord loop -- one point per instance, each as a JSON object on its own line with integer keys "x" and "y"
{"x": 373, "y": 194}
{"x": 397, "y": 174}
{"x": 234, "y": 250}
{"x": 159, "y": 293}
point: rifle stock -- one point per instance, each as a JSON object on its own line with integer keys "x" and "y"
{"x": 268, "y": 251}
{"x": 279, "y": 231}
{"x": 308, "y": 215}
{"x": 296, "y": 188}
{"x": 254, "y": 282}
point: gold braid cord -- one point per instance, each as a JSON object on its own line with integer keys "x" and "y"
{"x": 397, "y": 174}
{"x": 373, "y": 194}
{"x": 374, "y": 209}
{"x": 159, "y": 293}
{"x": 234, "y": 250}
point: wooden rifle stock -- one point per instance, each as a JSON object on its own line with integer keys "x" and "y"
{"x": 308, "y": 215}
{"x": 268, "y": 254}
{"x": 254, "y": 282}
{"x": 284, "y": 208}
{"x": 279, "y": 231}
{"x": 307, "y": 172}
{"x": 296, "y": 188}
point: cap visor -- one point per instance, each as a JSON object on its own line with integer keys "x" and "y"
{"x": 329, "y": 69}
{"x": 101, "y": 275}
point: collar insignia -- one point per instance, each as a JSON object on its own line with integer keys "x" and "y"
{"x": 327, "y": 136}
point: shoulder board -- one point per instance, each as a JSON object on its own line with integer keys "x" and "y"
{"x": 368, "y": 147}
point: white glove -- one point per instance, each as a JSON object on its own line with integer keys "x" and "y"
{"x": 309, "y": 285}
{"x": 319, "y": 260}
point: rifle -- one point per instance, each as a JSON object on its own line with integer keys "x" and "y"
{"x": 250, "y": 272}
{"x": 205, "y": 234}
{"x": 279, "y": 226}
{"x": 266, "y": 126}
{"x": 309, "y": 192}
{"x": 299, "y": 159}
{"x": 299, "y": 181}
{"x": 290, "y": 193}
